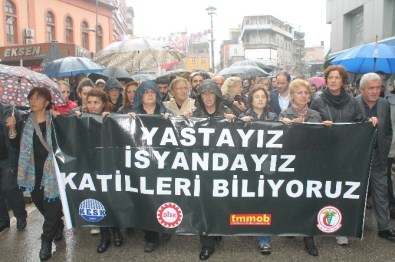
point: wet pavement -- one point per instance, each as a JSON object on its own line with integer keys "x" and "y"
{"x": 79, "y": 245}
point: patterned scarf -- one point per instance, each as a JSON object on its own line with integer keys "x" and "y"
{"x": 300, "y": 112}
{"x": 26, "y": 169}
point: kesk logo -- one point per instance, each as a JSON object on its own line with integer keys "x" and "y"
{"x": 169, "y": 215}
{"x": 92, "y": 210}
{"x": 329, "y": 219}
{"x": 250, "y": 219}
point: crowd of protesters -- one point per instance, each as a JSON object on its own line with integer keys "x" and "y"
{"x": 26, "y": 143}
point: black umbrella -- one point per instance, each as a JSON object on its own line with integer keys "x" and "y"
{"x": 257, "y": 63}
{"x": 119, "y": 74}
{"x": 244, "y": 72}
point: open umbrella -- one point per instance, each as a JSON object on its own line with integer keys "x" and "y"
{"x": 244, "y": 72}
{"x": 142, "y": 77}
{"x": 138, "y": 54}
{"x": 257, "y": 63}
{"x": 16, "y": 83}
{"x": 119, "y": 74}
{"x": 368, "y": 58}
{"x": 71, "y": 66}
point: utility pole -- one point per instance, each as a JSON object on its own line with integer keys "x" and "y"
{"x": 211, "y": 11}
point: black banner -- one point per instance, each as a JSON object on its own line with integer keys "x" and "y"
{"x": 210, "y": 176}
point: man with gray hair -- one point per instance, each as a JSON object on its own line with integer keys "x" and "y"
{"x": 377, "y": 110}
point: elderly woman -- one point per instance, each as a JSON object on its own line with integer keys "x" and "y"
{"x": 258, "y": 99}
{"x": 298, "y": 112}
{"x": 148, "y": 101}
{"x": 181, "y": 104}
{"x": 36, "y": 168}
{"x": 232, "y": 94}
{"x": 128, "y": 97}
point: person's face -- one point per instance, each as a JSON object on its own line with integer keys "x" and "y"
{"x": 180, "y": 91}
{"x": 113, "y": 94}
{"x": 164, "y": 89}
{"x": 65, "y": 90}
{"x": 100, "y": 86}
{"x": 274, "y": 82}
{"x": 371, "y": 91}
{"x": 84, "y": 93}
{"x": 334, "y": 82}
{"x": 264, "y": 84}
{"x": 131, "y": 92}
{"x": 219, "y": 81}
{"x": 259, "y": 100}
{"x": 282, "y": 83}
{"x": 149, "y": 97}
{"x": 38, "y": 103}
{"x": 95, "y": 105}
{"x": 238, "y": 89}
{"x": 197, "y": 81}
{"x": 209, "y": 99}
{"x": 301, "y": 96}
{"x": 313, "y": 89}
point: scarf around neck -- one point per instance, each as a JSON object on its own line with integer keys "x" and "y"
{"x": 300, "y": 112}
{"x": 336, "y": 101}
{"x": 26, "y": 168}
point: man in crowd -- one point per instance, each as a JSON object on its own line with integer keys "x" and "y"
{"x": 163, "y": 83}
{"x": 377, "y": 109}
{"x": 279, "y": 100}
{"x": 9, "y": 146}
{"x": 196, "y": 81}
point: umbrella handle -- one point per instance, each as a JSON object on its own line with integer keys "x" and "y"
{"x": 13, "y": 111}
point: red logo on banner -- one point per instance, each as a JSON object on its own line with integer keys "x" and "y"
{"x": 250, "y": 219}
{"x": 169, "y": 215}
{"x": 329, "y": 219}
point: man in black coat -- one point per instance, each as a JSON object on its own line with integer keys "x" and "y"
{"x": 377, "y": 110}
{"x": 10, "y": 132}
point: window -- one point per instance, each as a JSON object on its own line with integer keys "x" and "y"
{"x": 203, "y": 60}
{"x": 10, "y": 22}
{"x": 356, "y": 29}
{"x": 50, "y": 28}
{"x": 193, "y": 60}
{"x": 99, "y": 39}
{"x": 69, "y": 30}
{"x": 85, "y": 36}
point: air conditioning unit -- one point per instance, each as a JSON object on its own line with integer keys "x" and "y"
{"x": 29, "y": 32}
{"x": 29, "y": 41}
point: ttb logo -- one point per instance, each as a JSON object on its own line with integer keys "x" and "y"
{"x": 329, "y": 219}
{"x": 92, "y": 210}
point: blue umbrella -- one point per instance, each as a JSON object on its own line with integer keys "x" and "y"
{"x": 368, "y": 58}
{"x": 70, "y": 66}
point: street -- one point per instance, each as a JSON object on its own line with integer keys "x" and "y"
{"x": 79, "y": 245}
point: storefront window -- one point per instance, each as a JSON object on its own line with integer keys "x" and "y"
{"x": 50, "y": 29}
{"x": 85, "y": 36}
{"x": 69, "y": 29}
{"x": 10, "y": 24}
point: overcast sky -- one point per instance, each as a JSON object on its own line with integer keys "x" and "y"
{"x": 160, "y": 18}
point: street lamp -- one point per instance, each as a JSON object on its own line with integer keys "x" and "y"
{"x": 211, "y": 11}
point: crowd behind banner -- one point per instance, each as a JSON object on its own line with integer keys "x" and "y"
{"x": 201, "y": 154}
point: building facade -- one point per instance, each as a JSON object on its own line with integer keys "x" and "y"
{"x": 198, "y": 57}
{"x": 270, "y": 40}
{"x": 33, "y": 31}
{"x": 360, "y": 22}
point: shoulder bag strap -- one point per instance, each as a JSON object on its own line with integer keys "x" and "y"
{"x": 40, "y": 134}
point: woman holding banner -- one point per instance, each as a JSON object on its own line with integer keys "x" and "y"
{"x": 209, "y": 105}
{"x": 258, "y": 99}
{"x": 336, "y": 106}
{"x": 36, "y": 168}
{"x": 98, "y": 104}
{"x": 148, "y": 101}
{"x": 298, "y": 112}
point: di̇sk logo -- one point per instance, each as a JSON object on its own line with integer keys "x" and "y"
{"x": 169, "y": 215}
{"x": 92, "y": 210}
{"x": 329, "y": 219}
